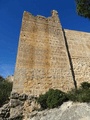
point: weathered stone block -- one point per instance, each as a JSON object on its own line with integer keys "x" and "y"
{"x": 16, "y": 113}
{"x": 14, "y": 95}
{"x": 22, "y": 97}
{"x": 15, "y": 102}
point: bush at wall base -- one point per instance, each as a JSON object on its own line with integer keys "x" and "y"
{"x": 52, "y": 98}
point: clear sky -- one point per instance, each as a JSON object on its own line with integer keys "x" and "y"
{"x": 10, "y": 22}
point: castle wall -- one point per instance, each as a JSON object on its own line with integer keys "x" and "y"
{"x": 42, "y": 59}
{"x": 79, "y": 48}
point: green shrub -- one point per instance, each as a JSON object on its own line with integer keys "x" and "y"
{"x": 75, "y": 95}
{"x": 72, "y": 95}
{"x": 82, "y": 94}
{"x": 52, "y": 99}
{"x": 5, "y": 90}
{"x": 85, "y": 85}
{"x": 42, "y": 100}
{"x": 1, "y": 78}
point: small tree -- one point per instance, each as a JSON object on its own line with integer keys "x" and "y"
{"x": 83, "y": 8}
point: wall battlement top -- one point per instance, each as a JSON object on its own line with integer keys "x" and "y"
{"x": 53, "y": 13}
{"x": 75, "y": 31}
{"x": 52, "y": 20}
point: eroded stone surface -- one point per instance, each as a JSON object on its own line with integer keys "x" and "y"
{"x": 79, "y": 48}
{"x": 42, "y": 60}
{"x": 4, "y": 112}
{"x": 22, "y": 105}
{"x": 68, "y": 111}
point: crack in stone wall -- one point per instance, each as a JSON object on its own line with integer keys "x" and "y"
{"x": 70, "y": 60}
{"x": 79, "y": 49}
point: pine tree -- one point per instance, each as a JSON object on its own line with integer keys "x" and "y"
{"x": 83, "y": 8}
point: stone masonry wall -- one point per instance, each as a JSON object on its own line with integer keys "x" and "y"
{"x": 79, "y": 48}
{"x": 42, "y": 59}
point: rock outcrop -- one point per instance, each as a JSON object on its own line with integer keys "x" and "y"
{"x": 19, "y": 107}
{"x": 68, "y": 111}
{"x": 21, "y": 110}
{"x": 5, "y": 112}
{"x": 10, "y": 78}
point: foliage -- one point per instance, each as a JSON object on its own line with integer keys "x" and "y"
{"x": 1, "y": 78}
{"x": 82, "y": 94}
{"x": 85, "y": 85}
{"x": 83, "y": 8}
{"x": 52, "y": 99}
{"x": 5, "y": 89}
{"x": 42, "y": 100}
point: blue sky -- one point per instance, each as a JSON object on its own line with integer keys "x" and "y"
{"x": 10, "y": 22}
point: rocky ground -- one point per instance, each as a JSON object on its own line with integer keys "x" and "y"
{"x": 68, "y": 111}
{"x": 19, "y": 107}
{"x": 22, "y": 107}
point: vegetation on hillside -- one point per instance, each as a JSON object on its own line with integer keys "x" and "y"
{"x": 5, "y": 90}
{"x": 54, "y": 98}
{"x": 82, "y": 94}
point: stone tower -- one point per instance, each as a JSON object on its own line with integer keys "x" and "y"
{"x": 42, "y": 60}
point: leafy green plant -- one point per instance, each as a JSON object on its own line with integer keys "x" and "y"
{"x": 52, "y": 98}
{"x": 85, "y": 85}
{"x": 82, "y": 94}
{"x": 5, "y": 90}
{"x": 1, "y": 78}
{"x": 42, "y": 100}
{"x": 72, "y": 95}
